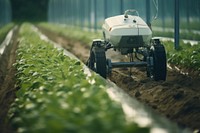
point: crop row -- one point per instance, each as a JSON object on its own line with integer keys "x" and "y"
{"x": 183, "y": 35}
{"x": 187, "y": 57}
{"x": 56, "y": 95}
{"x": 168, "y": 23}
{"x": 73, "y": 33}
{"x": 4, "y": 30}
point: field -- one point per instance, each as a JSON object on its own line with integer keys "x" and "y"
{"x": 179, "y": 90}
{"x": 53, "y": 92}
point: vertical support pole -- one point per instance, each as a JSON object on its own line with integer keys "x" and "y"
{"x": 148, "y": 13}
{"x": 4, "y": 12}
{"x": 105, "y": 9}
{"x": 74, "y": 12}
{"x": 176, "y": 24}
{"x": 79, "y": 13}
{"x": 67, "y": 12}
{"x": 0, "y": 14}
{"x": 121, "y": 6}
{"x": 63, "y": 12}
{"x": 199, "y": 9}
{"x": 82, "y": 13}
{"x": 70, "y": 11}
{"x": 54, "y": 11}
{"x": 48, "y": 11}
{"x": 95, "y": 15}
{"x": 188, "y": 13}
{"x": 110, "y": 5}
{"x": 10, "y": 11}
{"x": 89, "y": 14}
{"x": 163, "y": 14}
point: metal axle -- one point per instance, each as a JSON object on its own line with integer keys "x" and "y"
{"x": 126, "y": 64}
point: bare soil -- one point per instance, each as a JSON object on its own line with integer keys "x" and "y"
{"x": 177, "y": 98}
{"x": 7, "y": 83}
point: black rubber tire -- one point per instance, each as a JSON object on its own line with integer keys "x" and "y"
{"x": 159, "y": 62}
{"x": 101, "y": 64}
{"x": 91, "y": 63}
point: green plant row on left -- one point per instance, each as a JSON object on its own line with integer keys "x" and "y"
{"x": 4, "y": 30}
{"x": 56, "y": 95}
{"x": 72, "y": 33}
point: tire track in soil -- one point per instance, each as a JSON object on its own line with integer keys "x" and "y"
{"x": 177, "y": 98}
{"x": 7, "y": 83}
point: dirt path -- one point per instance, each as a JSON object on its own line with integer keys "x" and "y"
{"x": 7, "y": 83}
{"x": 177, "y": 98}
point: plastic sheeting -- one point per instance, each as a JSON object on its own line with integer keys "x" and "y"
{"x": 5, "y": 12}
{"x": 91, "y": 13}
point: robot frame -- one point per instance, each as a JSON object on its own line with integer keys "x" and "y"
{"x": 129, "y": 35}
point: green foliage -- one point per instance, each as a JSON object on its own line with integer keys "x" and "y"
{"x": 186, "y": 56}
{"x": 72, "y": 33}
{"x": 183, "y": 35}
{"x": 169, "y": 23}
{"x": 56, "y": 95}
{"x": 4, "y": 30}
{"x": 186, "y": 29}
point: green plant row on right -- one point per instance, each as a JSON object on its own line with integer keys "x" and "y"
{"x": 183, "y": 35}
{"x": 186, "y": 57}
{"x": 169, "y": 23}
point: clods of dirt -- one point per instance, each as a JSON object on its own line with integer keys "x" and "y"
{"x": 7, "y": 83}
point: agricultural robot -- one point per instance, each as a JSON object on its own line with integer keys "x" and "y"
{"x": 129, "y": 35}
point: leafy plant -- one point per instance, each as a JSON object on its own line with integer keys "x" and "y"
{"x": 183, "y": 35}
{"x": 186, "y": 56}
{"x": 56, "y": 95}
{"x": 4, "y": 30}
{"x": 72, "y": 32}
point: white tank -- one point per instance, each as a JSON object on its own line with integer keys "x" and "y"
{"x": 126, "y": 31}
